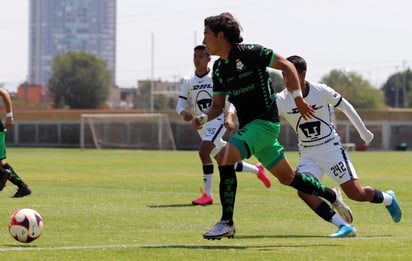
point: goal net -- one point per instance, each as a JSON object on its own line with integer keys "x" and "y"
{"x": 150, "y": 131}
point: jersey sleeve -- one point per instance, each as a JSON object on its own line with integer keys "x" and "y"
{"x": 331, "y": 96}
{"x": 182, "y": 101}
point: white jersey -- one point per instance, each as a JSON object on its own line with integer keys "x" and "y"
{"x": 198, "y": 90}
{"x": 319, "y": 143}
{"x": 318, "y": 130}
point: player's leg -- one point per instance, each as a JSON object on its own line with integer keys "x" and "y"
{"x": 22, "y": 188}
{"x": 4, "y": 173}
{"x": 355, "y": 191}
{"x": 258, "y": 169}
{"x": 211, "y": 135}
{"x": 205, "y": 149}
{"x": 323, "y": 210}
{"x": 226, "y": 159}
{"x": 338, "y": 166}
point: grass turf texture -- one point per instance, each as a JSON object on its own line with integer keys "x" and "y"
{"x": 135, "y": 205}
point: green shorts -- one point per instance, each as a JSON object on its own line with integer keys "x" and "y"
{"x": 260, "y": 138}
{"x": 3, "y": 144}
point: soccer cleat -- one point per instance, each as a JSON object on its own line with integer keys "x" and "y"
{"x": 344, "y": 231}
{"x": 262, "y": 175}
{"x": 4, "y": 176}
{"x": 220, "y": 230}
{"x": 203, "y": 200}
{"x": 343, "y": 210}
{"x": 22, "y": 192}
{"x": 394, "y": 208}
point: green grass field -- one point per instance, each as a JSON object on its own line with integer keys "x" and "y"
{"x": 135, "y": 205}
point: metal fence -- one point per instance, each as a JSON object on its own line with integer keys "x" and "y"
{"x": 389, "y": 135}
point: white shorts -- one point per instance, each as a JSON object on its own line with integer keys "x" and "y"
{"x": 213, "y": 131}
{"x": 331, "y": 159}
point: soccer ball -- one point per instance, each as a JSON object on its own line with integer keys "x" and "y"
{"x": 25, "y": 225}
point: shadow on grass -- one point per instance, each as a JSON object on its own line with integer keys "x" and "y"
{"x": 171, "y": 206}
{"x": 262, "y": 247}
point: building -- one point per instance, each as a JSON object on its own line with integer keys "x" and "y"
{"x": 58, "y": 26}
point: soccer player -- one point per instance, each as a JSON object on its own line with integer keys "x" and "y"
{"x": 196, "y": 91}
{"x": 321, "y": 151}
{"x": 6, "y": 171}
{"x": 241, "y": 74}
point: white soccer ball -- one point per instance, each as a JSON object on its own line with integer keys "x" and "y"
{"x": 25, "y": 225}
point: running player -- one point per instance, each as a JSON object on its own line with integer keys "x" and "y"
{"x": 321, "y": 151}
{"x": 241, "y": 74}
{"x": 196, "y": 91}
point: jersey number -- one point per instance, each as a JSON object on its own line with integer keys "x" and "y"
{"x": 339, "y": 169}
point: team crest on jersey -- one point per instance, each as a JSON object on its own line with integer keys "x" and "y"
{"x": 203, "y": 100}
{"x": 239, "y": 65}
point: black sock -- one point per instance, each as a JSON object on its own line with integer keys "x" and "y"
{"x": 14, "y": 178}
{"x": 207, "y": 168}
{"x": 227, "y": 191}
{"x": 239, "y": 166}
{"x": 312, "y": 186}
{"x": 378, "y": 198}
{"x": 325, "y": 211}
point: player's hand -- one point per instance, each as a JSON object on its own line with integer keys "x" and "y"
{"x": 186, "y": 116}
{"x": 9, "y": 122}
{"x": 367, "y": 137}
{"x": 305, "y": 110}
{"x": 198, "y": 121}
{"x": 229, "y": 124}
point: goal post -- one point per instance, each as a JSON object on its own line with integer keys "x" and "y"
{"x": 151, "y": 131}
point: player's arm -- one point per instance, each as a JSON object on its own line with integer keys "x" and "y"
{"x": 280, "y": 63}
{"x": 9, "y": 108}
{"x": 353, "y": 116}
{"x": 182, "y": 102}
{"x": 229, "y": 123}
{"x": 217, "y": 108}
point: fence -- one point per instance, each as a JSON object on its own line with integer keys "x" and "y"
{"x": 389, "y": 135}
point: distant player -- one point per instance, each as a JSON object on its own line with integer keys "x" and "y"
{"x": 6, "y": 171}
{"x": 321, "y": 151}
{"x": 196, "y": 92}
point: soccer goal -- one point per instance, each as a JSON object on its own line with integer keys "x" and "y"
{"x": 126, "y": 131}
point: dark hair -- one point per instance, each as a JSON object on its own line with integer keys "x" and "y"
{"x": 226, "y": 23}
{"x": 299, "y": 62}
{"x": 202, "y": 48}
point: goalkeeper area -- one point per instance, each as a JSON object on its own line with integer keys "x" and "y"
{"x": 149, "y": 131}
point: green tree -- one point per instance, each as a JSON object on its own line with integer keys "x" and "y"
{"x": 356, "y": 90}
{"x": 397, "y": 90}
{"x": 80, "y": 80}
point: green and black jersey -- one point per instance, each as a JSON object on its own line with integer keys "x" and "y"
{"x": 244, "y": 78}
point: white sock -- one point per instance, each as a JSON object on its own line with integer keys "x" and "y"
{"x": 208, "y": 183}
{"x": 387, "y": 199}
{"x": 337, "y": 220}
{"x": 244, "y": 166}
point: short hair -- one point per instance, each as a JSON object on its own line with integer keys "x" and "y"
{"x": 203, "y": 48}
{"x": 298, "y": 62}
{"x": 226, "y": 23}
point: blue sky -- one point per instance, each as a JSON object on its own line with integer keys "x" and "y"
{"x": 372, "y": 38}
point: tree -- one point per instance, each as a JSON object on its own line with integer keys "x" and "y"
{"x": 356, "y": 90}
{"x": 80, "y": 80}
{"x": 397, "y": 90}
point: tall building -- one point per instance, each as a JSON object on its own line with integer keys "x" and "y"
{"x": 59, "y": 26}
